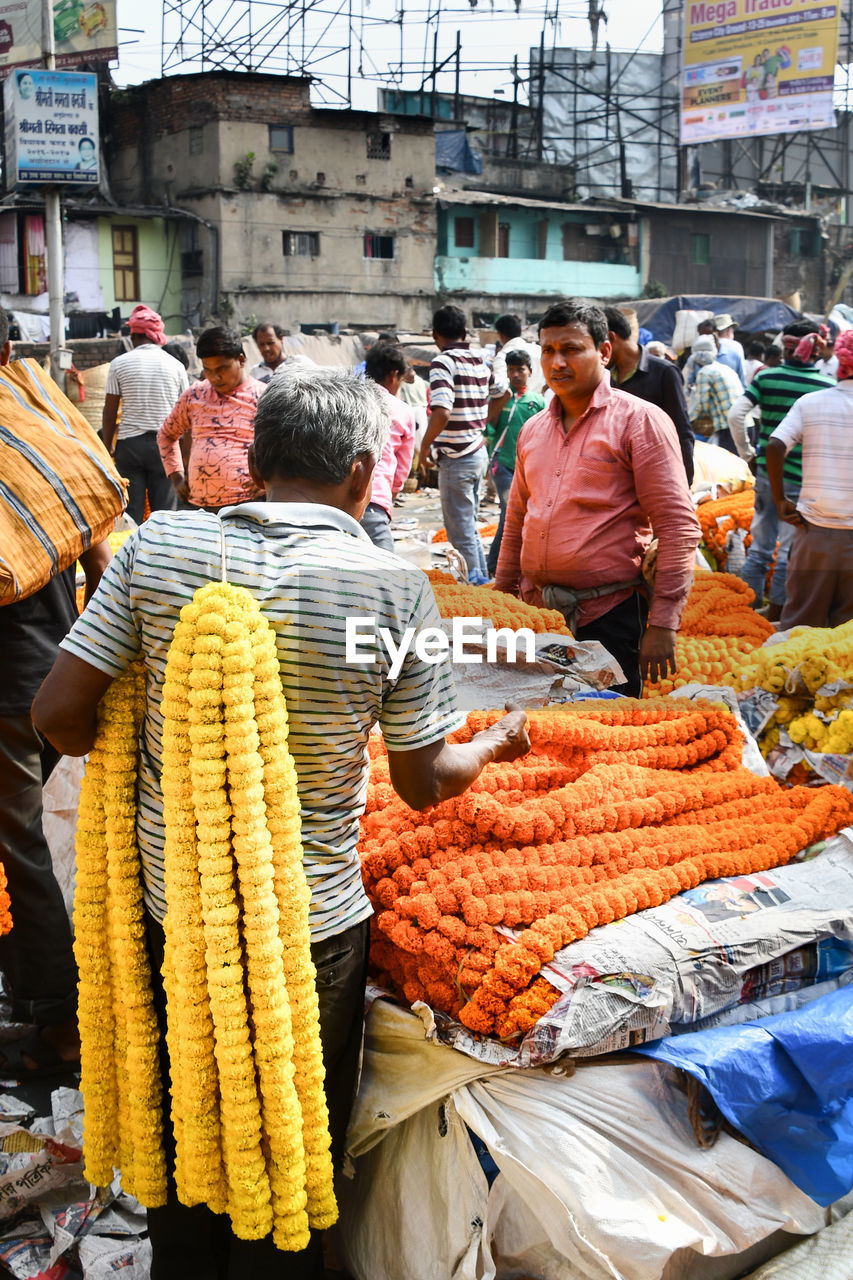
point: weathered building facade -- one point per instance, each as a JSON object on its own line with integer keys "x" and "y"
{"x": 301, "y": 215}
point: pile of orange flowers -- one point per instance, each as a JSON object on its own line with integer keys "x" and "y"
{"x": 719, "y": 629}
{"x": 484, "y": 531}
{"x": 720, "y": 516}
{"x": 619, "y": 806}
{"x": 458, "y": 600}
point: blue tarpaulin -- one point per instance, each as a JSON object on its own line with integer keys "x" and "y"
{"x": 752, "y": 315}
{"x": 454, "y": 153}
{"x": 785, "y": 1083}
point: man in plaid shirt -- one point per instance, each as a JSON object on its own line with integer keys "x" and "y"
{"x": 717, "y": 388}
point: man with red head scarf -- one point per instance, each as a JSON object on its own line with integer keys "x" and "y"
{"x": 820, "y": 566}
{"x": 146, "y": 382}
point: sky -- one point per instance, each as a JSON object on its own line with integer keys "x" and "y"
{"x": 491, "y": 34}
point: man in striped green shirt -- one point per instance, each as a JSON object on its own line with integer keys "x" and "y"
{"x": 773, "y": 391}
{"x": 305, "y": 558}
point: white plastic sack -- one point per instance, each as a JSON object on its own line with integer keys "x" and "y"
{"x": 600, "y": 1176}
{"x": 826, "y": 1256}
{"x": 60, "y": 798}
{"x": 687, "y": 328}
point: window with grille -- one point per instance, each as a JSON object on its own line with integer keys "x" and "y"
{"x": 701, "y": 256}
{"x": 281, "y": 138}
{"x": 378, "y": 145}
{"x": 125, "y": 264}
{"x": 300, "y": 244}
{"x": 463, "y": 233}
{"x": 196, "y": 133}
{"x": 376, "y": 246}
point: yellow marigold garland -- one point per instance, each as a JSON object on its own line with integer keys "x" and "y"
{"x": 253, "y": 903}
{"x": 248, "y": 1105}
{"x": 118, "y": 1028}
{"x": 194, "y": 1086}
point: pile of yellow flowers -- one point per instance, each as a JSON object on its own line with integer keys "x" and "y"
{"x": 247, "y": 1102}
{"x": 719, "y": 632}
{"x": 796, "y": 669}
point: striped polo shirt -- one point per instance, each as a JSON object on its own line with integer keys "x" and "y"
{"x": 774, "y": 391}
{"x": 309, "y": 567}
{"x": 149, "y": 381}
{"x": 459, "y": 381}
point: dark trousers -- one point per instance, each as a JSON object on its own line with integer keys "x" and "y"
{"x": 819, "y": 582}
{"x": 199, "y": 1244}
{"x": 138, "y": 460}
{"x": 37, "y": 957}
{"x": 620, "y": 630}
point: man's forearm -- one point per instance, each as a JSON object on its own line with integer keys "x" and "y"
{"x": 438, "y": 420}
{"x": 737, "y": 417}
{"x": 109, "y": 422}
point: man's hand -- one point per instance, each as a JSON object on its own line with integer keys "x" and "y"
{"x": 508, "y": 735}
{"x": 657, "y": 653}
{"x": 179, "y": 484}
{"x": 788, "y": 512}
{"x": 753, "y": 464}
{"x": 426, "y": 463}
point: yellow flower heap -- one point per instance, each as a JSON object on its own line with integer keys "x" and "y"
{"x": 247, "y": 1103}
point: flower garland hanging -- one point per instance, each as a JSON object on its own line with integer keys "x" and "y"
{"x": 120, "y": 1076}
{"x": 247, "y": 1100}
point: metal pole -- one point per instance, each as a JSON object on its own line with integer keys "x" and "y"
{"x": 53, "y": 226}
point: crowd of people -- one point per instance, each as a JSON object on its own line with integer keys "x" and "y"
{"x": 290, "y": 472}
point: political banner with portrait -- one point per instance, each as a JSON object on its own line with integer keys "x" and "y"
{"x": 51, "y": 120}
{"x": 753, "y": 67}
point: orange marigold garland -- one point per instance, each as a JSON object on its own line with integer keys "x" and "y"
{"x": 718, "y": 517}
{"x": 579, "y": 833}
{"x": 5, "y": 903}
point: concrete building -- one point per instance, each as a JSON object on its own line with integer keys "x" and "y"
{"x": 114, "y": 259}
{"x": 292, "y": 213}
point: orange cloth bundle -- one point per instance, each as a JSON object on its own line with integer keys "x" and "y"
{"x": 59, "y": 490}
{"x": 619, "y": 806}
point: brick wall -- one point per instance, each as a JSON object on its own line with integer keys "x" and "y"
{"x": 175, "y": 103}
{"x": 181, "y": 102}
{"x": 88, "y": 352}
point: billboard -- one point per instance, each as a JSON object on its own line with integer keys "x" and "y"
{"x": 751, "y": 67}
{"x": 51, "y": 122}
{"x": 84, "y": 32}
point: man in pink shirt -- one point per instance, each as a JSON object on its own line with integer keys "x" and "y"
{"x": 595, "y": 472}
{"x": 219, "y": 412}
{"x": 386, "y": 365}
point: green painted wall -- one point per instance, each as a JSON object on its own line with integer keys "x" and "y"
{"x": 159, "y": 267}
{"x": 536, "y": 275}
{"x": 524, "y": 271}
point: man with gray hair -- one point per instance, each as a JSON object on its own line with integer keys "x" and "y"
{"x": 305, "y": 558}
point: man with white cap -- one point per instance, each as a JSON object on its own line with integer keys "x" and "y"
{"x": 729, "y": 352}
{"x": 147, "y": 382}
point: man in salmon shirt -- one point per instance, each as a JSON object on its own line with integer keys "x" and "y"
{"x": 596, "y": 471}
{"x": 219, "y": 412}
